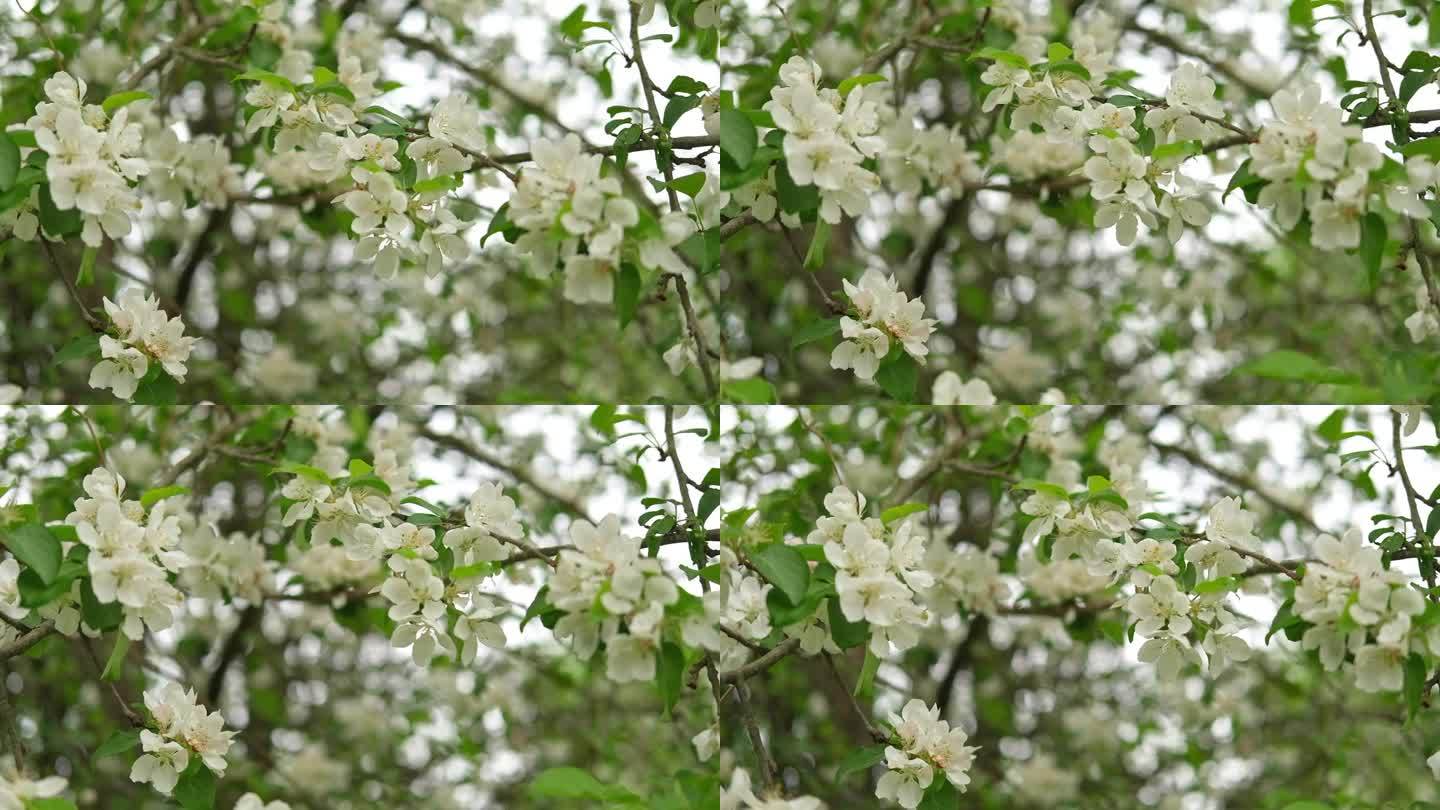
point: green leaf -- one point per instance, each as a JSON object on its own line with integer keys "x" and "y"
{"x": 384, "y": 113}
{"x": 54, "y": 803}
{"x": 858, "y": 81}
{"x": 87, "y": 266}
{"x": 274, "y": 79}
{"x": 1302, "y": 13}
{"x": 1285, "y": 364}
{"x": 676, "y": 109}
{"x": 196, "y": 789}
{"x": 55, "y": 221}
{"x": 150, "y": 497}
{"x": 904, "y": 510}
{"x": 303, "y": 470}
{"x": 898, "y": 374}
{"x": 738, "y": 138}
{"x": 670, "y": 674}
{"x": 418, "y": 501}
{"x": 783, "y": 567}
{"x": 1242, "y": 179}
{"x": 117, "y": 100}
{"x": 160, "y": 389}
{"x": 116, "y": 661}
{"x": 1415, "y": 674}
{"x": 1058, "y": 52}
{"x": 9, "y": 162}
{"x": 234, "y": 30}
{"x": 443, "y": 183}
{"x": 1284, "y": 617}
{"x": 1006, "y": 57}
{"x": 1427, "y": 147}
{"x": 1046, "y": 487}
{"x": 538, "y": 606}
{"x": 1073, "y": 68}
{"x": 498, "y": 223}
{"x": 689, "y": 185}
{"x": 1218, "y": 585}
{"x": 1333, "y": 426}
{"x": 819, "y": 240}
{"x": 336, "y": 89}
{"x": 794, "y": 198}
{"x": 846, "y": 633}
{"x": 386, "y": 129}
{"x": 1411, "y": 84}
{"x": 1178, "y": 149}
{"x": 99, "y": 615}
{"x": 867, "y": 672}
{"x": 941, "y": 795}
{"x": 709, "y": 502}
{"x": 627, "y": 293}
{"x": 1372, "y": 245}
{"x": 34, "y": 545}
{"x": 572, "y": 783}
{"x": 753, "y": 391}
{"x": 119, "y": 742}
{"x": 861, "y": 759}
{"x": 815, "y": 330}
{"x": 87, "y": 345}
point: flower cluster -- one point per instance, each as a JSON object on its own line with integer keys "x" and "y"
{"x": 611, "y": 592}
{"x": 359, "y": 512}
{"x": 399, "y": 205}
{"x": 233, "y": 564}
{"x": 132, "y": 552}
{"x": 184, "y": 729}
{"x": 1166, "y": 616}
{"x": 927, "y": 746}
{"x": 93, "y": 159}
{"x": 1054, "y": 88}
{"x": 827, "y": 137}
{"x": 143, "y": 334}
{"x": 879, "y": 570}
{"x": 968, "y": 577}
{"x": 913, "y": 157}
{"x": 579, "y": 219}
{"x": 1316, "y": 163}
{"x": 885, "y": 314}
{"x": 1362, "y": 612}
{"x": 199, "y": 169}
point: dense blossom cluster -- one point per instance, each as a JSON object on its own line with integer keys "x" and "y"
{"x": 93, "y": 158}
{"x": 926, "y": 747}
{"x": 183, "y": 729}
{"x": 1315, "y": 163}
{"x": 880, "y": 576}
{"x": 886, "y": 316}
{"x": 1363, "y": 613}
{"x": 1057, "y": 88}
{"x": 827, "y": 137}
{"x": 132, "y": 552}
{"x": 144, "y": 334}
{"x": 567, "y": 203}
{"x": 612, "y": 593}
{"x": 431, "y": 606}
